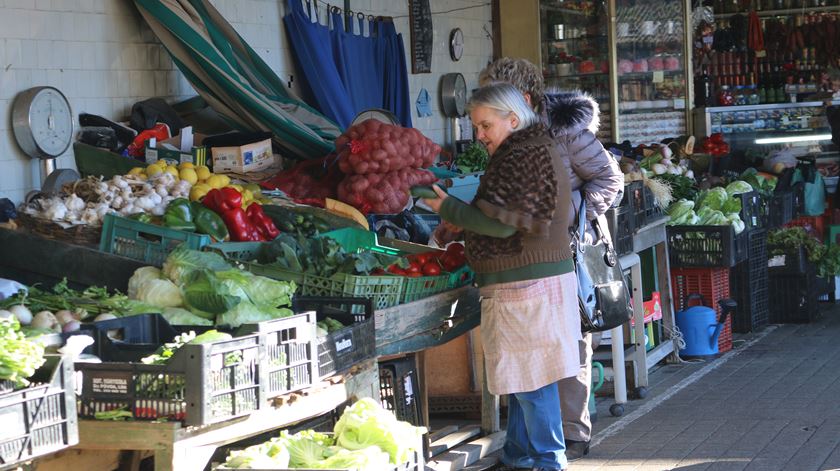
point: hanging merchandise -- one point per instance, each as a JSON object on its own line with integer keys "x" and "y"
{"x": 424, "y": 105}
{"x": 233, "y": 79}
{"x": 814, "y": 187}
{"x": 346, "y": 72}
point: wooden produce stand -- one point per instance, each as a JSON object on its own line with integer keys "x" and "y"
{"x": 176, "y": 446}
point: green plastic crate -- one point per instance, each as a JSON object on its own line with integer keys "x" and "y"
{"x": 384, "y": 290}
{"x": 97, "y": 162}
{"x": 145, "y": 242}
{"x": 460, "y": 277}
{"x": 355, "y": 240}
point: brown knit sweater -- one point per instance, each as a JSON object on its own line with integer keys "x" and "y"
{"x": 523, "y": 186}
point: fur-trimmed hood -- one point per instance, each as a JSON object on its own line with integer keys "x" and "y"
{"x": 570, "y": 113}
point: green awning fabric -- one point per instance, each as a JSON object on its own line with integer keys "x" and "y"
{"x": 233, "y": 79}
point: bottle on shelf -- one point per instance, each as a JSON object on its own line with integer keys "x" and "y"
{"x": 703, "y": 89}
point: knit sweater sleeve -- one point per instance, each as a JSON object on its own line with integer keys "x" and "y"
{"x": 472, "y": 219}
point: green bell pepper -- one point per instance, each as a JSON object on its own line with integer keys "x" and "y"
{"x": 208, "y": 222}
{"x": 179, "y": 215}
{"x": 142, "y": 217}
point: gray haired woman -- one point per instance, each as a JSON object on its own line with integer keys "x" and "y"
{"x": 517, "y": 242}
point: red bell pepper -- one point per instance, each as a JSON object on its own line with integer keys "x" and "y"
{"x": 227, "y": 203}
{"x": 263, "y": 223}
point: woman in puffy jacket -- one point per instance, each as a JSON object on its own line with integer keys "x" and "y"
{"x": 573, "y": 120}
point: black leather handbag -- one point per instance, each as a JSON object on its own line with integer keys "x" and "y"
{"x": 603, "y": 296}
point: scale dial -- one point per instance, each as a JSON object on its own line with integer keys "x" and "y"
{"x": 378, "y": 114}
{"x": 42, "y": 122}
{"x": 453, "y": 94}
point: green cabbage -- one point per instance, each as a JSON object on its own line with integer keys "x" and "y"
{"x": 712, "y": 218}
{"x": 371, "y": 458}
{"x": 140, "y": 276}
{"x": 247, "y": 313}
{"x": 679, "y": 208}
{"x": 366, "y": 423}
{"x": 268, "y": 455}
{"x": 737, "y": 187}
{"x": 178, "y": 316}
{"x": 182, "y": 261}
{"x": 161, "y": 293}
{"x": 714, "y": 198}
{"x": 206, "y": 296}
{"x": 737, "y": 223}
{"x": 731, "y": 205}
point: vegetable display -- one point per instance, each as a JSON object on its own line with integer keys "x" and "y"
{"x": 715, "y": 207}
{"x": 321, "y": 256}
{"x": 244, "y": 225}
{"x": 366, "y": 438}
{"x": 431, "y": 263}
{"x": 381, "y": 162}
{"x": 19, "y": 357}
{"x": 473, "y": 159}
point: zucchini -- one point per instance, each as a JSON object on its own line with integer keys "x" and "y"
{"x": 423, "y": 192}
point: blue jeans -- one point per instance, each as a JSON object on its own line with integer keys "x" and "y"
{"x": 535, "y": 430}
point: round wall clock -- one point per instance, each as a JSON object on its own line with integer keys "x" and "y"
{"x": 42, "y": 122}
{"x": 456, "y": 44}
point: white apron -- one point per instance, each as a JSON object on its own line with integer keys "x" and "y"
{"x": 530, "y": 331}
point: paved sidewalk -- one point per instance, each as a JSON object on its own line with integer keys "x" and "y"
{"x": 773, "y": 403}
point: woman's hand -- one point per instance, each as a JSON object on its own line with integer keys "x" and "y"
{"x": 436, "y": 203}
{"x": 445, "y": 233}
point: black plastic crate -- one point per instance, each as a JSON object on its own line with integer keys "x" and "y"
{"x": 200, "y": 384}
{"x": 653, "y": 212}
{"x": 291, "y": 353}
{"x": 780, "y": 209}
{"x": 399, "y": 389}
{"x": 39, "y": 419}
{"x": 793, "y": 298}
{"x": 706, "y": 246}
{"x": 750, "y": 286}
{"x": 634, "y": 198}
{"x": 753, "y": 210}
{"x": 346, "y": 347}
{"x": 130, "y": 338}
{"x": 792, "y": 262}
{"x": 620, "y": 224}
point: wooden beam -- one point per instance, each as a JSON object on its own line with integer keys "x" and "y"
{"x": 438, "y": 434}
{"x": 468, "y": 454}
{"x": 483, "y": 464}
{"x": 78, "y": 459}
{"x": 454, "y": 439}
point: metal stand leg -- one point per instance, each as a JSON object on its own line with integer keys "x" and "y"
{"x": 619, "y": 375}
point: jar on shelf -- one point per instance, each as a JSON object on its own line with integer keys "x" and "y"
{"x": 739, "y": 98}
{"x": 754, "y": 98}
{"x": 725, "y": 97}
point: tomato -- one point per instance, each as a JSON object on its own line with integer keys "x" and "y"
{"x": 449, "y": 262}
{"x": 431, "y": 269}
{"x": 414, "y": 268}
{"x": 396, "y": 270}
{"x": 422, "y": 258}
{"x": 416, "y": 274}
{"x": 455, "y": 248}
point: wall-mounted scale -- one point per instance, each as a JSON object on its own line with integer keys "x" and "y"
{"x": 453, "y": 97}
{"x": 42, "y": 121}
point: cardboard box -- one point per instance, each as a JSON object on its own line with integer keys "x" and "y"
{"x": 173, "y": 149}
{"x": 252, "y": 157}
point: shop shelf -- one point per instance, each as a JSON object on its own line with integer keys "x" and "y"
{"x": 780, "y": 209}
{"x": 41, "y": 418}
{"x": 199, "y": 385}
{"x": 750, "y": 286}
{"x": 713, "y": 285}
{"x": 400, "y": 389}
{"x": 706, "y": 246}
{"x": 145, "y": 242}
{"x": 620, "y": 223}
{"x": 345, "y": 347}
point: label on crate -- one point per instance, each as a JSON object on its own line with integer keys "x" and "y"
{"x": 114, "y": 383}
{"x": 776, "y": 261}
{"x": 344, "y": 344}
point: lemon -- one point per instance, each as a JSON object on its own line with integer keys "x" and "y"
{"x": 137, "y": 171}
{"x": 255, "y": 189}
{"x": 173, "y": 170}
{"x": 225, "y": 179}
{"x": 153, "y": 170}
{"x": 235, "y": 187}
{"x": 216, "y": 182}
{"x": 189, "y": 175}
{"x": 198, "y": 191}
{"x": 203, "y": 172}
{"x": 184, "y": 165}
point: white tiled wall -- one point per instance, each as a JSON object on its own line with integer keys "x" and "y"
{"x": 104, "y": 58}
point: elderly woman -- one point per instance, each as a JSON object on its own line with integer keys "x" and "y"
{"x": 517, "y": 242}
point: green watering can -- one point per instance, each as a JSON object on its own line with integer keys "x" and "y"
{"x": 593, "y": 412}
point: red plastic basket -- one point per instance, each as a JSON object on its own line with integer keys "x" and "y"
{"x": 713, "y": 285}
